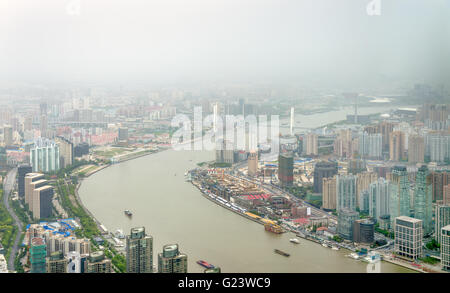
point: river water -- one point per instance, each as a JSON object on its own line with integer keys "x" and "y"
{"x": 174, "y": 211}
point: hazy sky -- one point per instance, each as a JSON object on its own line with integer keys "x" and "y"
{"x": 200, "y": 40}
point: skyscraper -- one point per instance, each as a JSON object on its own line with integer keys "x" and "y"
{"x": 346, "y": 192}
{"x": 346, "y": 218}
{"x": 400, "y": 204}
{"x": 65, "y": 151}
{"x": 397, "y": 146}
{"x": 329, "y": 193}
{"x": 171, "y": 260}
{"x": 98, "y": 263}
{"x": 445, "y": 248}
{"x": 139, "y": 250}
{"x": 423, "y": 199}
{"x": 42, "y": 202}
{"x": 363, "y": 181}
{"x": 44, "y": 156}
{"x": 37, "y": 255}
{"x": 370, "y": 145}
{"x": 408, "y": 237}
{"x": 29, "y": 179}
{"x": 323, "y": 169}
{"x": 286, "y": 169}
{"x": 416, "y": 149}
{"x": 442, "y": 219}
{"x": 312, "y": 144}
{"x": 56, "y": 263}
{"x": 8, "y": 135}
{"x": 363, "y": 231}
{"x": 379, "y": 198}
{"x": 439, "y": 179}
{"x": 252, "y": 163}
{"x": 22, "y": 170}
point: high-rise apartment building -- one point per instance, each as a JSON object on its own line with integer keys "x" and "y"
{"x": 98, "y": 263}
{"x": 370, "y": 145}
{"x": 329, "y": 193}
{"x": 408, "y": 237}
{"x": 56, "y": 263}
{"x": 439, "y": 179}
{"x": 397, "y": 146}
{"x": 44, "y": 156}
{"x": 65, "y": 151}
{"x": 423, "y": 201}
{"x": 362, "y": 184}
{"x": 171, "y": 260}
{"x": 416, "y": 149}
{"x": 446, "y": 195}
{"x": 323, "y": 169}
{"x": 379, "y": 198}
{"x": 37, "y": 255}
{"x": 139, "y": 251}
{"x": 363, "y": 231}
{"x": 400, "y": 200}
{"x": 346, "y": 192}
{"x": 312, "y": 144}
{"x": 8, "y": 135}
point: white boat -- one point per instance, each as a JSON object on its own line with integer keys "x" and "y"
{"x": 324, "y": 245}
{"x": 119, "y": 234}
{"x": 294, "y": 240}
{"x": 335, "y": 248}
{"x": 353, "y": 255}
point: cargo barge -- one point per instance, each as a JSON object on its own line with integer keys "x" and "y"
{"x": 282, "y": 253}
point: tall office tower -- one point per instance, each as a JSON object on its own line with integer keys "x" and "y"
{"x": 312, "y": 144}
{"x": 56, "y": 263}
{"x": 446, "y": 195}
{"x": 416, "y": 149}
{"x": 43, "y": 108}
{"x": 408, "y": 237}
{"x": 399, "y": 202}
{"x": 323, "y": 169}
{"x": 292, "y": 122}
{"x": 8, "y": 135}
{"x": 65, "y": 151}
{"x": 442, "y": 219}
{"x": 345, "y": 192}
{"x": 42, "y": 202}
{"x": 439, "y": 179}
{"x": 362, "y": 184}
{"x": 28, "y": 180}
{"x": 397, "y": 146}
{"x": 171, "y": 260}
{"x": 370, "y": 145}
{"x": 252, "y": 163}
{"x": 423, "y": 201}
{"x": 356, "y": 166}
{"x": 445, "y": 248}
{"x": 98, "y": 263}
{"x": 139, "y": 247}
{"x": 379, "y": 198}
{"x": 346, "y": 218}
{"x": 363, "y": 231}
{"x": 22, "y": 170}
{"x": 44, "y": 156}
{"x": 37, "y": 255}
{"x": 286, "y": 169}
{"x": 224, "y": 152}
{"x": 329, "y": 193}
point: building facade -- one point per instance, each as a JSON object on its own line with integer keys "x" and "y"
{"x": 139, "y": 251}
{"x": 408, "y": 237}
{"x": 171, "y": 260}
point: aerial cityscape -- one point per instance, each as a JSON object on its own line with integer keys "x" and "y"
{"x": 224, "y": 137}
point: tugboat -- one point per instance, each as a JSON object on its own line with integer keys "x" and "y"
{"x": 128, "y": 213}
{"x": 205, "y": 264}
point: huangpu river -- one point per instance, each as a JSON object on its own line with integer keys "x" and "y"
{"x": 172, "y": 210}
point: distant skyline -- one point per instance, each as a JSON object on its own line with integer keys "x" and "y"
{"x": 328, "y": 43}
